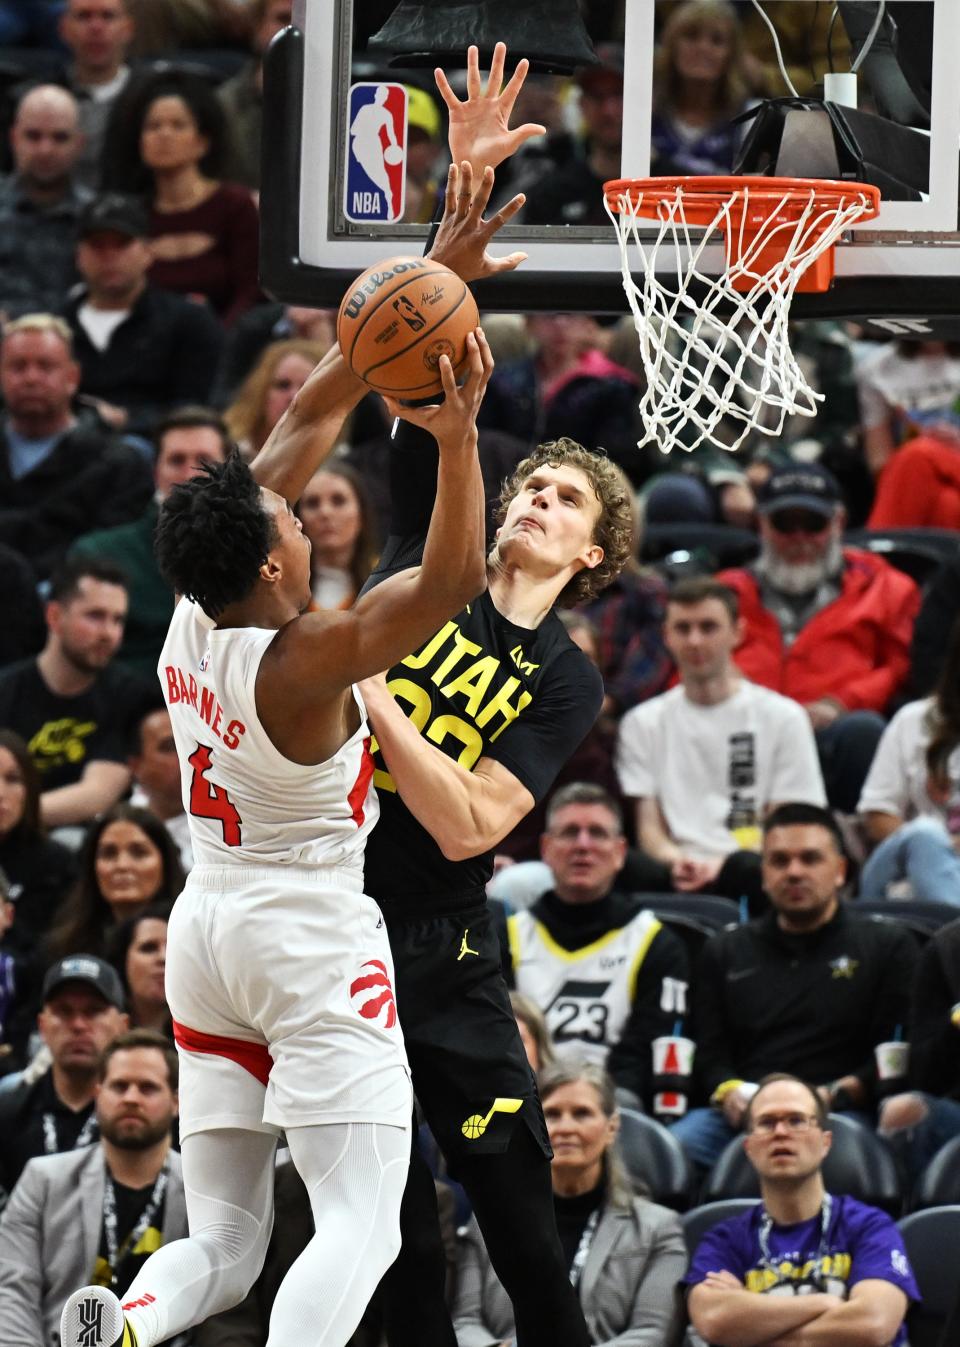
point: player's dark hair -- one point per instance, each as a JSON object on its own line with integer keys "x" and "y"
{"x": 699, "y": 588}
{"x": 615, "y": 524}
{"x": 819, "y": 1107}
{"x": 798, "y": 814}
{"x": 65, "y": 582}
{"x": 213, "y": 535}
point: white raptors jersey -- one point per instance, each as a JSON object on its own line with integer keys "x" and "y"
{"x": 244, "y": 799}
{"x": 586, "y": 995}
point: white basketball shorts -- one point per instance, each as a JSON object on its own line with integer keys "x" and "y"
{"x": 280, "y": 984}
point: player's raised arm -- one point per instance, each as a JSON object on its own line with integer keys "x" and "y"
{"x": 325, "y": 651}
{"x": 461, "y": 242}
{"x": 309, "y": 429}
{"x": 480, "y": 126}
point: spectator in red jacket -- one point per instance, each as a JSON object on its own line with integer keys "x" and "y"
{"x": 919, "y": 486}
{"x": 826, "y": 624}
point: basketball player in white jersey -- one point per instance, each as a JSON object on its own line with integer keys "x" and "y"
{"x": 279, "y": 974}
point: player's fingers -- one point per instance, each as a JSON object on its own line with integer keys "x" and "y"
{"x": 482, "y": 194}
{"x": 524, "y": 133}
{"x": 473, "y": 73}
{"x": 450, "y": 196}
{"x": 465, "y": 195}
{"x": 504, "y": 214}
{"x": 486, "y": 355}
{"x": 515, "y": 84}
{"x": 496, "y": 69}
{"x": 510, "y": 263}
{"x": 447, "y": 377}
{"x": 446, "y": 93}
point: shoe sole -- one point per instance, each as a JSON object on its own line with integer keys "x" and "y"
{"x": 92, "y": 1317}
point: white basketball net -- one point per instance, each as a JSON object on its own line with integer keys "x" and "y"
{"x": 703, "y": 369}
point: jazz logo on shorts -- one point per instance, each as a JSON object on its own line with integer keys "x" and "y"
{"x": 475, "y": 1125}
{"x": 371, "y": 994}
{"x": 376, "y": 155}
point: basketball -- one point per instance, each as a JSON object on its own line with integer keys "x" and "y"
{"x": 474, "y": 1127}
{"x": 399, "y": 318}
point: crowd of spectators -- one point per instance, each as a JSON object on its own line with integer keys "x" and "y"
{"x": 781, "y": 726}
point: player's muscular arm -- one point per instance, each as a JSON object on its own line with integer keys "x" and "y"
{"x": 466, "y": 813}
{"x": 870, "y": 1318}
{"x": 725, "y": 1314}
{"x": 317, "y": 656}
{"x": 308, "y": 431}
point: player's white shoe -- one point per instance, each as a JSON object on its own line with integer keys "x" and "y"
{"x": 93, "y": 1317}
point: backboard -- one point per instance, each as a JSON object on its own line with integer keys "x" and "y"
{"x": 347, "y": 138}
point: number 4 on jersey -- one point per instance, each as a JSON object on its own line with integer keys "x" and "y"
{"x": 210, "y": 801}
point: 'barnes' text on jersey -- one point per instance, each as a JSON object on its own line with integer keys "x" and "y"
{"x": 480, "y": 687}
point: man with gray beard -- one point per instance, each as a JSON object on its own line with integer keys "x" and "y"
{"x": 825, "y": 624}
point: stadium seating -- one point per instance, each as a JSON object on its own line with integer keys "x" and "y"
{"x": 932, "y": 1239}
{"x": 939, "y": 1184}
{"x": 655, "y": 1158}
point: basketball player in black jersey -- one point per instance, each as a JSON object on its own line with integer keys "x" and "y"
{"x": 472, "y": 728}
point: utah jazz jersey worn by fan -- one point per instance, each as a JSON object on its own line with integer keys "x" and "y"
{"x": 845, "y": 1243}
{"x": 608, "y": 976}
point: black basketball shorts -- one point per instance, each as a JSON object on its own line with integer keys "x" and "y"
{"x": 470, "y": 1071}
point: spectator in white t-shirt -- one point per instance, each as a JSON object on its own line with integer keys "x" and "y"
{"x": 911, "y": 798}
{"x": 904, "y": 386}
{"x": 707, "y": 760}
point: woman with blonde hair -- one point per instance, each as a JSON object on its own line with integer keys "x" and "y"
{"x": 625, "y": 1254}
{"x": 699, "y": 85}
{"x": 268, "y": 390}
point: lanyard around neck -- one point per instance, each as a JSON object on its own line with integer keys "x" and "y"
{"x": 766, "y": 1227}
{"x": 115, "y": 1253}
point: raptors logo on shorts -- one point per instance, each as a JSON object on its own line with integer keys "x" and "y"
{"x": 372, "y": 995}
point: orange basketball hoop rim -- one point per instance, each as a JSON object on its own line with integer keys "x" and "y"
{"x": 759, "y": 217}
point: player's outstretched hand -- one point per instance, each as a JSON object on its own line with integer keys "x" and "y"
{"x": 480, "y": 127}
{"x": 452, "y": 422}
{"x": 461, "y": 242}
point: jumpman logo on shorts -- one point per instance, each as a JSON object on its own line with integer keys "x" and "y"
{"x": 465, "y": 948}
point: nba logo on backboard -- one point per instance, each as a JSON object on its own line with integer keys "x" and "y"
{"x": 376, "y": 153}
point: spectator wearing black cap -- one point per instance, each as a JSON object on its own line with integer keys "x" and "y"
{"x": 825, "y": 624}
{"x": 142, "y": 352}
{"x": 46, "y": 1111}
{"x": 573, "y": 194}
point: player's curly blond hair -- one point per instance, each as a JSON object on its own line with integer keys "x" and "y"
{"x": 614, "y": 531}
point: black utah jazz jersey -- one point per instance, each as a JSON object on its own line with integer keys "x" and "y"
{"x": 480, "y": 687}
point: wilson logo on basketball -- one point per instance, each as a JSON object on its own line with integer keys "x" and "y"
{"x": 372, "y": 995}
